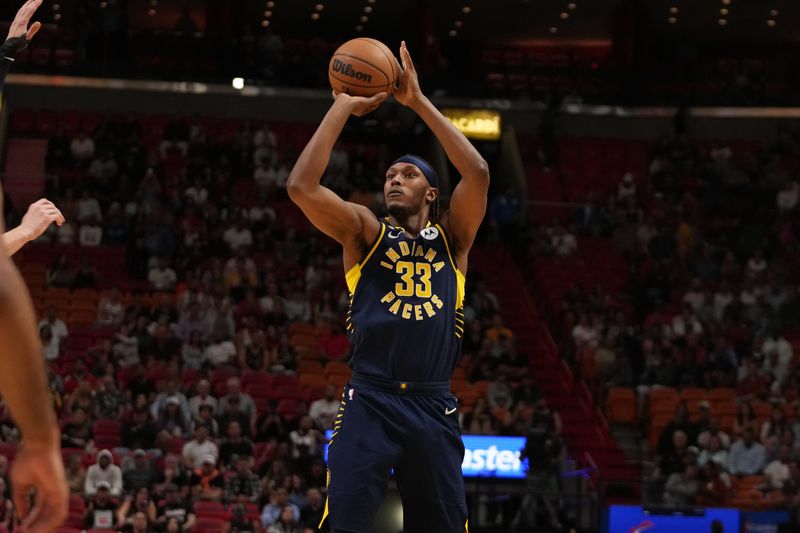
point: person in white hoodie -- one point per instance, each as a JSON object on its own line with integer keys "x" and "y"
{"x": 104, "y": 470}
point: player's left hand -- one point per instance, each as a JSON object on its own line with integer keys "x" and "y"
{"x": 408, "y": 91}
{"x": 19, "y": 28}
{"x": 39, "y": 216}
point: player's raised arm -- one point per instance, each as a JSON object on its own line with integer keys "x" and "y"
{"x": 39, "y": 216}
{"x": 468, "y": 201}
{"x": 23, "y": 385}
{"x": 346, "y": 222}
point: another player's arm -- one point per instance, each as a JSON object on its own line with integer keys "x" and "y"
{"x": 350, "y": 224}
{"x": 39, "y": 216}
{"x": 468, "y": 201}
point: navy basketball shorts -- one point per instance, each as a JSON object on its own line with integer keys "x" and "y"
{"x": 409, "y": 428}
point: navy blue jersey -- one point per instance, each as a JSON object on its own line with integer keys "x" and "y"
{"x": 406, "y": 314}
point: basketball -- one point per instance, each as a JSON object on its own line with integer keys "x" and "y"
{"x": 363, "y": 67}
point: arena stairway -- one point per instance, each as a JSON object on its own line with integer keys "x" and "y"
{"x": 586, "y": 433}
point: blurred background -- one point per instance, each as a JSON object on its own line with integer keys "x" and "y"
{"x": 632, "y": 303}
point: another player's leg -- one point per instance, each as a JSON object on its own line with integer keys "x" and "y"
{"x": 360, "y": 458}
{"x": 429, "y": 475}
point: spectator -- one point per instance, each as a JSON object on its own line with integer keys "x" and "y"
{"x": 286, "y": 523}
{"x": 245, "y": 401}
{"x": 788, "y": 196}
{"x": 104, "y": 471}
{"x": 240, "y": 523}
{"x": 139, "y": 475}
{"x": 747, "y": 457}
{"x": 60, "y": 273}
{"x": 713, "y": 452}
{"x": 50, "y": 345}
{"x": 76, "y": 474}
{"x": 77, "y": 433}
{"x": 171, "y": 390}
{"x": 777, "y": 472}
{"x": 206, "y": 418}
{"x": 139, "y": 431}
{"x": 88, "y": 208}
{"x": 235, "y": 444}
{"x": 312, "y": 514}
{"x": 203, "y": 397}
{"x": 139, "y": 504}
{"x": 221, "y": 351}
{"x": 101, "y": 510}
{"x": 140, "y": 523}
{"x": 278, "y": 500}
{"x": 82, "y": 148}
{"x": 161, "y": 276}
{"x": 172, "y": 475}
{"x": 199, "y": 449}
{"x": 207, "y": 481}
{"x": 682, "y": 487}
{"x": 171, "y": 420}
{"x": 243, "y": 486}
{"x": 57, "y": 326}
{"x": 110, "y": 310}
{"x": 238, "y": 236}
{"x": 104, "y": 168}
{"x": 325, "y": 409}
{"x": 173, "y": 507}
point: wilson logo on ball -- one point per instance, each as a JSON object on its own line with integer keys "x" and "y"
{"x": 348, "y": 70}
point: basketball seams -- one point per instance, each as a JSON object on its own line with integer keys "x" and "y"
{"x": 377, "y": 69}
{"x": 392, "y": 61}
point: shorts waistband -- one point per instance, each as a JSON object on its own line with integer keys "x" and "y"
{"x": 412, "y": 388}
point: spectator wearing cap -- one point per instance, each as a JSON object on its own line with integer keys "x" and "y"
{"x": 244, "y": 486}
{"x": 104, "y": 471}
{"x": 747, "y": 456}
{"x": 102, "y": 509}
{"x": 203, "y": 397}
{"x": 140, "y": 473}
{"x": 235, "y": 444}
{"x": 278, "y": 500}
{"x": 171, "y": 389}
{"x": 245, "y": 402}
{"x": 207, "y": 481}
{"x": 199, "y": 448}
{"x": 174, "y": 507}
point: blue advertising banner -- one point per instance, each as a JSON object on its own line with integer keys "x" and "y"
{"x": 764, "y": 522}
{"x": 487, "y": 456}
{"x": 635, "y": 519}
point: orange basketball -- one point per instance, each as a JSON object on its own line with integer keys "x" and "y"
{"x": 363, "y": 67}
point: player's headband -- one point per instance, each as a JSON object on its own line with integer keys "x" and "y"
{"x": 424, "y": 166}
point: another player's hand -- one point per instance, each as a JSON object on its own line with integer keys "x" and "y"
{"x": 408, "y": 91}
{"x": 360, "y": 105}
{"x": 39, "y": 216}
{"x": 19, "y": 27}
{"x": 39, "y": 467}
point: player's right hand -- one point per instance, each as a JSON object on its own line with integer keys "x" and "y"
{"x": 39, "y": 467}
{"x": 360, "y": 105}
{"x": 39, "y": 216}
{"x": 19, "y": 27}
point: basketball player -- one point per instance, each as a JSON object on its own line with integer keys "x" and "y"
{"x": 23, "y": 384}
{"x": 405, "y": 275}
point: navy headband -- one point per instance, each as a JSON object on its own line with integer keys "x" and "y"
{"x": 424, "y": 166}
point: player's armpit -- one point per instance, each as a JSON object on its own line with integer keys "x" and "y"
{"x": 343, "y": 221}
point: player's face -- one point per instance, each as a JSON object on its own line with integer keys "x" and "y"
{"x": 406, "y": 190}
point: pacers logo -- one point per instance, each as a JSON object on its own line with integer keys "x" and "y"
{"x": 414, "y": 265}
{"x": 346, "y": 69}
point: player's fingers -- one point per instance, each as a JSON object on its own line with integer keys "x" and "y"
{"x": 35, "y": 27}
{"x": 19, "y": 494}
{"x": 377, "y": 98}
{"x": 46, "y": 515}
{"x": 408, "y": 63}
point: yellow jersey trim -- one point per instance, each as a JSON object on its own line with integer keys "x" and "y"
{"x": 354, "y": 274}
{"x": 461, "y": 281}
{"x": 325, "y": 512}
